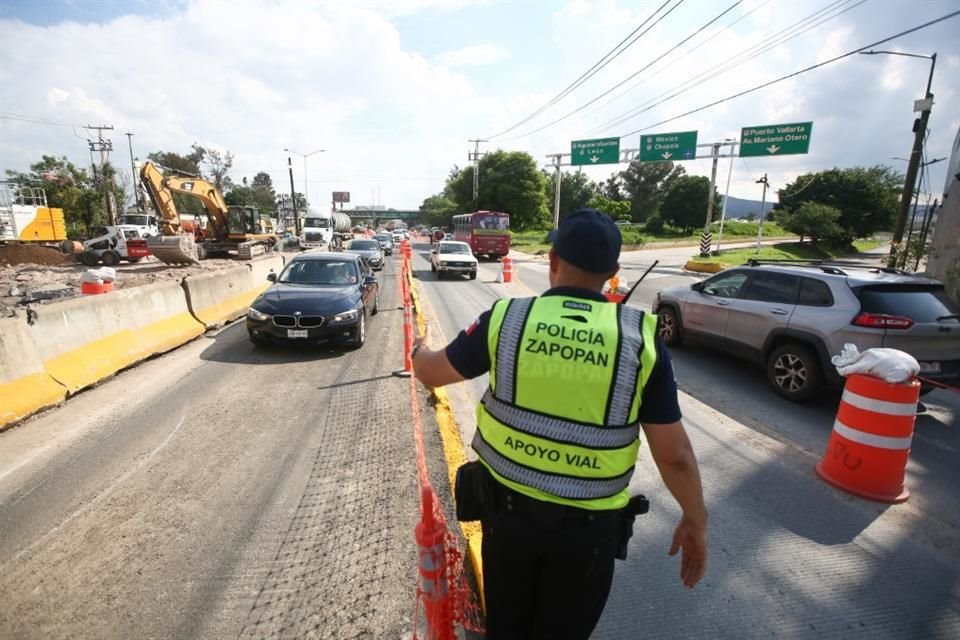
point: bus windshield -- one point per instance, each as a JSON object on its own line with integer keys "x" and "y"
{"x": 491, "y": 222}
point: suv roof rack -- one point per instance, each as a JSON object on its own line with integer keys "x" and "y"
{"x": 829, "y": 266}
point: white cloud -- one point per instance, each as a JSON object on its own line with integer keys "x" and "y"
{"x": 481, "y": 54}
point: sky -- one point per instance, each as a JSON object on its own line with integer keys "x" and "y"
{"x": 392, "y": 90}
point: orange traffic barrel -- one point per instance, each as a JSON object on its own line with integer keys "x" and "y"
{"x": 613, "y": 296}
{"x": 870, "y": 444}
{"x": 507, "y": 269}
{"x": 90, "y": 288}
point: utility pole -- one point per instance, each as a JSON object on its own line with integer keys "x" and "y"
{"x": 556, "y": 194}
{"x": 706, "y": 237}
{"x": 475, "y": 158}
{"x": 293, "y": 199}
{"x": 763, "y": 205}
{"x": 136, "y": 180}
{"x": 726, "y": 194}
{"x": 104, "y": 146}
{"x": 919, "y": 134}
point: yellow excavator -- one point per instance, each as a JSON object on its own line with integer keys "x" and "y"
{"x": 231, "y": 232}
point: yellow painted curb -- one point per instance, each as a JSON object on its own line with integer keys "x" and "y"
{"x": 704, "y": 267}
{"x": 27, "y": 395}
{"x": 455, "y": 454}
{"x": 94, "y": 361}
{"x": 229, "y": 309}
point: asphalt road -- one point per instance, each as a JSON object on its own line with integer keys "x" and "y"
{"x": 221, "y": 491}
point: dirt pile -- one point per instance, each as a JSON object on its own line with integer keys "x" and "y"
{"x": 17, "y": 254}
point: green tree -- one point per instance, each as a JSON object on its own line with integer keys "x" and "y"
{"x": 258, "y": 192}
{"x": 262, "y": 181}
{"x": 510, "y": 182}
{"x": 813, "y": 220}
{"x": 576, "y": 190}
{"x": 218, "y": 167}
{"x": 612, "y": 188}
{"x": 685, "y": 205}
{"x": 189, "y": 163}
{"x": 865, "y": 197}
{"x": 616, "y": 209}
{"x": 438, "y": 210}
{"x": 67, "y": 187}
{"x": 647, "y": 184}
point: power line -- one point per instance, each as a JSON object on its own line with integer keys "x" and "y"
{"x": 778, "y": 39}
{"x": 34, "y": 120}
{"x": 633, "y": 75}
{"x": 597, "y": 66}
{"x": 797, "y": 73}
{"x": 685, "y": 54}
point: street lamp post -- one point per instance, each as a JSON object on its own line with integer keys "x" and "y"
{"x": 920, "y": 131}
{"x": 306, "y": 184}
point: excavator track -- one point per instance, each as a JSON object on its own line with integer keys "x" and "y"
{"x": 181, "y": 249}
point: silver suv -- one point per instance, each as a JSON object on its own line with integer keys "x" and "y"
{"x": 792, "y": 317}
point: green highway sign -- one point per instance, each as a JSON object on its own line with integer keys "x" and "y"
{"x": 665, "y": 147}
{"x": 598, "y": 151}
{"x": 775, "y": 139}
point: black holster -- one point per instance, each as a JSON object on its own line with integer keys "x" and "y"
{"x": 474, "y": 492}
{"x": 638, "y": 505}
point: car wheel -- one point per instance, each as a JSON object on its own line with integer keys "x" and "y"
{"x": 361, "y": 332}
{"x": 668, "y": 326}
{"x": 794, "y": 372}
{"x": 376, "y": 303}
{"x": 473, "y": 275}
{"x": 110, "y": 258}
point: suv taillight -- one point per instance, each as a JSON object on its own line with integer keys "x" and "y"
{"x": 882, "y": 321}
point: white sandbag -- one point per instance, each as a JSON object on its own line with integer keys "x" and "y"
{"x": 92, "y": 276}
{"x": 891, "y": 365}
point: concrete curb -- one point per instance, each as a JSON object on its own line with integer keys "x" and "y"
{"x": 25, "y": 387}
{"x": 85, "y": 340}
{"x": 704, "y": 267}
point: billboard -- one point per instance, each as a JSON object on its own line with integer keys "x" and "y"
{"x": 341, "y": 196}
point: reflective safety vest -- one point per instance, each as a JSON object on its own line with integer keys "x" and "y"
{"x": 559, "y": 421}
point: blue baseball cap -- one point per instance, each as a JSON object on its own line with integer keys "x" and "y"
{"x": 588, "y": 239}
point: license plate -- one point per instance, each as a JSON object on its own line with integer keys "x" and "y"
{"x": 296, "y": 333}
{"x": 929, "y": 367}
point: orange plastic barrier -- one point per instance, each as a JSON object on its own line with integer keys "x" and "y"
{"x": 92, "y": 288}
{"x": 507, "y": 269}
{"x": 870, "y": 444}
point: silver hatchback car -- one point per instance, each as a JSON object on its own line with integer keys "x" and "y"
{"x": 792, "y": 317}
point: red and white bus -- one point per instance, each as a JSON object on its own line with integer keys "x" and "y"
{"x": 487, "y": 232}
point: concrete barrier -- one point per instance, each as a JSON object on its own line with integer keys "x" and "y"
{"x": 84, "y": 340}
{"x": 25, "y": 387}
{"x": 260, "y": 267}
{"x": 220, "y": 296}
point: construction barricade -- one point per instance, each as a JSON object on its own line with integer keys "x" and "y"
{"x": 25, "y": 387}
{"x": 870, "y": 443}
{"x": 84, "y": 340}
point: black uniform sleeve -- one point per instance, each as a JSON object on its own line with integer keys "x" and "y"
{"x": 660, "y": 404}
{"x": 468, "y": 351}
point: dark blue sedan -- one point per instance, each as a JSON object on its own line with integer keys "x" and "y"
{"x": 317, "y": 298}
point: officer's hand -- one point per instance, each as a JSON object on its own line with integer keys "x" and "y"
{"x": 422, "y": 339}
{"x": 692, "y": 538}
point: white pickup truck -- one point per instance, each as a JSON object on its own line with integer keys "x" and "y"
{"x": 454, "y": 258}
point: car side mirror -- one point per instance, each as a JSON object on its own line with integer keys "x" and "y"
{"x": 272, "y": 277}
{"x": 369, "y": 281}
{"x": 697, "y": 286}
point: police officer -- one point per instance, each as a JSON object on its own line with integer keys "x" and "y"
{"x": 573, "y": 378}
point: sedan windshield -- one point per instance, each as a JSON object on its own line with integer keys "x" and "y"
{"x": 364, "y": 245}
{"x": 383, "y": 237}
{"x": 320, "y": 272}
{"x": 454, "y": 248}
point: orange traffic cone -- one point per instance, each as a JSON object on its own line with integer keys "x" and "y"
{"x": 868, "y": 449}
{"x": 507, "y": 269}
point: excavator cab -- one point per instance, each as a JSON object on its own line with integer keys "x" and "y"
{"x": 243, "y": 220}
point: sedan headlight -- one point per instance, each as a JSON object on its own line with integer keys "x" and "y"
{"x": 259, "y": 316}
{"x": 346, "y": 316}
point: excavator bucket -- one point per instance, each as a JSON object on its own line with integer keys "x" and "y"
{"x": 179, "y": 249}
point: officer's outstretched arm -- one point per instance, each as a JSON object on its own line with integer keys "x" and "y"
{"x": 433, "y": 368}
{"x": 674, "y": 457}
